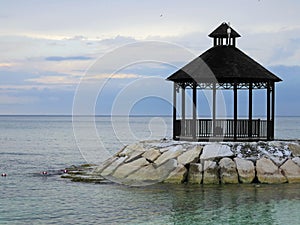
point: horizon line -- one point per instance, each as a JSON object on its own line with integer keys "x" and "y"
{"x": 137, "y": 115}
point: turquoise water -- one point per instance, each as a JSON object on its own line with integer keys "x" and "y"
{"x": 30, "y": 145}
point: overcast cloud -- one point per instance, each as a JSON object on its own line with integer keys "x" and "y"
{"x": 47, "y": 46}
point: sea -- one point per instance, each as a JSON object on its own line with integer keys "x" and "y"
{"x": 31, "y": 145}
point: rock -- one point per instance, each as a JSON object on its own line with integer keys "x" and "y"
{"x": 296, "y": 160}
{"x": 228, "y": 173}
{"x": 195, "y": 173}
{"x": 246, "y": 170}
{"x": 134, "y": 155}
{"x": 295, "y": 149}
{"x": 171, "y": 154}
{"x": 177, "y": 176}
{"x": 131, "y": 148}
{"x": 268, "y": 172}
{"x": 211, "y": 173}
{"x": 103, "y": 165}
{"x": 212, "y": 151}
{"x": 190, "y": 156}
{"x": 128, "y": 168}
{"x": 151, "y": 174}
{"x": 113, "y": 166}
{"x": 291, "y": 171}
{"x": 120, "y": 152}
{"x": 151, "y": 154}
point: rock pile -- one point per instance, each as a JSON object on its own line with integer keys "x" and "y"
{"x": 167, "y": 161}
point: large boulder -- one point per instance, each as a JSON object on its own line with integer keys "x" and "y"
{"x": 172, "y": 153}
{"x": 177, "y": 176}
{"x": 212, "y": 151}
{"x": 190, "y": 156}
{"x": 228, "y": 173}
{"x": 291, "y": 171}
{"x": 130, "y": 149}
{"x": 113, "y": 166}
{"x": 132, "y": 156}
{"x": 104, "y": 165}
{"x": 246, "y": 170}
{"x": 195, "y": 173}
{"x": 128, "y": 168}
{"x": 151, "y": 154}
{"x": 295, "y": 149}
{"x": 210, "y": 173}
{"x": 151, "y": 174}
{"x": 268, "y": 172}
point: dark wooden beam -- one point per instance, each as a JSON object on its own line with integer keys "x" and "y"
{"x": 174, "y": 112}
{"x": 183, "y": 111}
{"x": 194, "y": 109}
{"x": 273, "y": 111}
{"x": 268, "y": 112}
{"x": 250, "y": 111}
{"x": 235, "y": 110}
{"x": 214, "y": 109}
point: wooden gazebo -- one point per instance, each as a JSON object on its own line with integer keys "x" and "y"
{"x": 221, "y": 67}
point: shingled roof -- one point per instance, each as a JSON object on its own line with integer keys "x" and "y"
{"x": 225, "y": 64}
{"x": 221, "y": 31}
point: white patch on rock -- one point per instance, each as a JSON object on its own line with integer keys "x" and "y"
{"x": 296, "y": 160}
{"x": 215, "y": 151}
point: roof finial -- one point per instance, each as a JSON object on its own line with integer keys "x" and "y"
{"x": 228, "y": 33}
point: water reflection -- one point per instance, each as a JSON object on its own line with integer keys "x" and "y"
{"x": 228, "y": 204}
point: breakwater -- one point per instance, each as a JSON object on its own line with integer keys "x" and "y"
{"x": 168, "y": 161}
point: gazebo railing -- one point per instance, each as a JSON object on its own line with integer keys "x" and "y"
{"x": 222, "y": 128}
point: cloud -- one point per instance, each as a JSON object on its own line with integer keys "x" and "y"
{"x": 57, "y": 80}
{"x": 7, "y": 64}
{"x": 114, "y": 76}
{"x": 61, "y": 58}
{"x": 13, "y": 100}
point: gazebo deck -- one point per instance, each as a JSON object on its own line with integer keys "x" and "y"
{"x": 221, "y": 129}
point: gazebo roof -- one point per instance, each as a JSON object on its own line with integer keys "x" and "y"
{"x": 221, "y": 31}
{"x": 224, "y": 64}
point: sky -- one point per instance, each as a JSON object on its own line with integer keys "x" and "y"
{"x": 63, "y": 57}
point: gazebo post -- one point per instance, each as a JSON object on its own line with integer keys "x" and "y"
{"x": 183, "y": 110}
{"x": 268, "y": 111}
{"x": 214, "y": 109}
{"x": 174, "y": 112}
{"x": 273, "y": 111}
{"x": 194, "y": 109}
{"x": 250, "y": 110}
{"x": 235, "y": 110}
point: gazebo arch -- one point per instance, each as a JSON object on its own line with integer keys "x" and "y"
{"x": 226, "y": 67}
